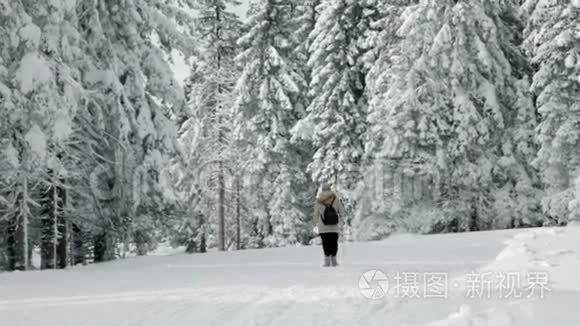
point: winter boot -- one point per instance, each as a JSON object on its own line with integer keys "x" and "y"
{"x": 333, "y": 261}
{"x": 327, "y": 261}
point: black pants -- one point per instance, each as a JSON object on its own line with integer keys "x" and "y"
{"x": 329, "y": 243}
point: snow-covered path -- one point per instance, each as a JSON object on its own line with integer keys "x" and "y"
{"x": 263, "y": 287}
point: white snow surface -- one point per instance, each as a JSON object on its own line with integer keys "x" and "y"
{"x": 5, "y": 8}
{"x": 32, "y": 73}
{"x": 37, "y": 141}
{"x": 31, "y": 34}
{"x": 289, "y": 287}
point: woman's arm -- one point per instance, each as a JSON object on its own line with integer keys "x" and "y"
{"x": 341, "y": 211}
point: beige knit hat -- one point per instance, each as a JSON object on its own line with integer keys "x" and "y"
{"x": 327, "y": 186}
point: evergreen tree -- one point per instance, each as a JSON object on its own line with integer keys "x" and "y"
{"x": 335, "y": 117}
{"x": 206, "y": 132}
{"x": 87, "y": 102}
{"x": 267, "y": 107}
{"x": 552, "y": 43}
{"x": 39, "y": 97}
{"x": 449, "y": 111}
{"x": 127, "y": 118}
{"x": 308, "y": 15}
{"x": 375, "y": 198}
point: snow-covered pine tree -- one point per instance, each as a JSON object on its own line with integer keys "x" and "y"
{"x": 552, "y": 43}
{"x": 386, "y": 40}
{"x": 124, "y": 135}
{"x": 308, "y": 14}
{"x": 511, "y": 179}
{"x": 450, "y": 112}
{"x": 209, "y": 156}
{"x": 372, "y": 214}
{"x": 9, "y": 160}
{"x": 575, "y": 204}
{"x": 370, "y": 27}
{"x": 85, "y": 92}
{"x": 268, "y": 105}
{"x": 526, "y": 193}
{"x": 303, "y": 17}
{"x": 39, "y": 98}
{"x": 335, "y": 119}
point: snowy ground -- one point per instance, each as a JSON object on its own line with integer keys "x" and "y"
{"x": 288, "y": 287}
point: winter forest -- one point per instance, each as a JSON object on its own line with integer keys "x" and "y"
{"x": 428, "y": 116}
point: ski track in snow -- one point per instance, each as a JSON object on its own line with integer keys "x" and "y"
{"x": 283, "y": 287}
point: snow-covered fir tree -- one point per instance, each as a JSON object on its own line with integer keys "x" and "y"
{"x": 552, "y": 42}
{"x": 99, "y": 95}
{"x": 127, "y": 118}
{"x": 374, "y": 198}
{"x": 308, "y": 15}
{"x": 449, "y": 108}
{"x": 305, "y": 20}
{"x": 206, "y": 133}
{"x": 370, "y": 27}
{"x": 39, "y": 98}
{"x": 303, "y": 17}
{"x": 335, "y": 119}
{"x": 267, "y": 107}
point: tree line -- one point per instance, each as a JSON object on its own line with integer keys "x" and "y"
{"x": 428, "y": 116}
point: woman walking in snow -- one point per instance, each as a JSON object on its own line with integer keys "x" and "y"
{"x": 328, "y": 218}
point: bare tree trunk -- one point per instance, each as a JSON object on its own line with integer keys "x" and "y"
{"x": 24, "y": 226}
{"x": 77, "y": 246}
{"x": 203, "y": 243}
{"x": 221, "y": 210}
{"x": 125, "y": 247}
{"x": 266, "y": 207}
{"x": 68, "y": 254}
{"x": 238, "y": 217}
{"x": 46, "y": 244}
{"x": 204, "y": 227}
{"x": 55, "y": 203}
{"x": 264, "y": 226}
{"x": 104, "y": 247}
{"x": 3, "y": 245}
{"x": 221, "y": 140}
{"x": 54, "y": 252}
{"x": 23, "y": 257}
{"x": 11, "y": 244}
{"x": 473, "y": 221}
{"x": 29, "y": 264}
{"x": 62, "y": 251}
{"x": 141, "y": 243}
{"x": 191, "y": 245}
